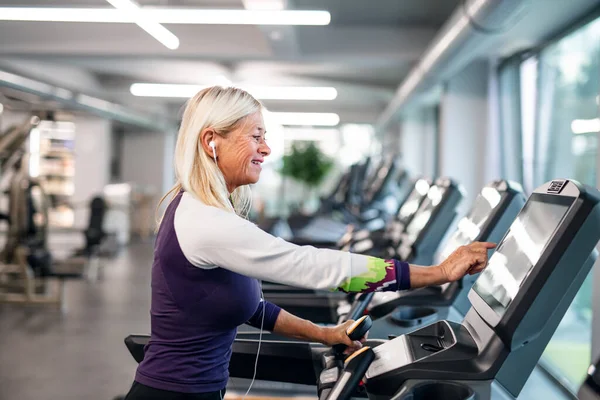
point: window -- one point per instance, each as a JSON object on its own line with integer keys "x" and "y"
{"x": 509, "y": 85}
{"x": 566, "y": 145}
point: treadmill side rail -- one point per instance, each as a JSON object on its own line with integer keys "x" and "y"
{"x": 292, "y": 362}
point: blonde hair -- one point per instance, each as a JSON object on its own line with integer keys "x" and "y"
{"x": 222, "y": 110}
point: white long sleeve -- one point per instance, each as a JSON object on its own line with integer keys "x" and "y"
{"x": 210, "y": 237}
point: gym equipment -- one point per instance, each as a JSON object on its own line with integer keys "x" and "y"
{"x": 407, "y": 210}
{"x": 26, "y": 267}
{"x": 396, "y": 313}
{"x": 327, "y": 307}
{"x": 439, "y": 209}
{"x": 381, "y": 198}
{"x": 517, "y": 304}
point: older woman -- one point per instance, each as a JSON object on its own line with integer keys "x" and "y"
{"x": 208, "y": 257}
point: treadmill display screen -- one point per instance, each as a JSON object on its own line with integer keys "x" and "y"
{"x": 469, "y": 227}
{"x": 520, "y": 250}
{"x": 423, "y": 215}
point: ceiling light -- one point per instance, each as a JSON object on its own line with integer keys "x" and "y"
{"x": 260, "y": 92}
{"x": 165, "y": 90}
{"x": 264, "y": 4}
{"x": 168, "y": 16}
{"x": 579, "y": 126}
{"x": 153, "y": 28}
{"x": 291, "y": 93}
{"x": 304, "y": 119}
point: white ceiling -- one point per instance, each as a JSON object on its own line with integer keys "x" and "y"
{"x": 364, "y": 53}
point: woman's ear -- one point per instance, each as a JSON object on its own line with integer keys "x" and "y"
{"x": 206, "y": 136}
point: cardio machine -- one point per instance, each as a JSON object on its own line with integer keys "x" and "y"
{"x": 440, "y": 212}
{"x": 383, "y": 192}
{"x": 420, "y": 238}
{"x": 517, "y": 304}
{"x": 490, "y": 216}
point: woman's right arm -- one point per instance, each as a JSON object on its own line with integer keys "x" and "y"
{"x": 212, "y": 237}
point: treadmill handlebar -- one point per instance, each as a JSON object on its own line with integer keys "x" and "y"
{"x": 355, "y": 368}
{"x": 359, "y": 306}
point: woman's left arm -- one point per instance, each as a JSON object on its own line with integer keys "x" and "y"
{"x": 274, "y": 319}
{"x": 297, "y": 328}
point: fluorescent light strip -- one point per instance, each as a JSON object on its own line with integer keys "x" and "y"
{"x": 304, "y": 119}
{"x": 581, "y": 126}
{"x": 168, "y": 16}
{"x": 292, "y": 93}
{"x": 153, "y": 28}
{"x": 165, "y": 90}
{"x": 264, "y": 4}
{"x": 260, "y": 92}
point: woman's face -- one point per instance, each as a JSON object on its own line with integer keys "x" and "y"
{"x": 241, "y": 154}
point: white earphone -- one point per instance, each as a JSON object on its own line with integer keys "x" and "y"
{"x": 213, "y": 146}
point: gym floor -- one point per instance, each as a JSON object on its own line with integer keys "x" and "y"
{"x": 80, "y": 354}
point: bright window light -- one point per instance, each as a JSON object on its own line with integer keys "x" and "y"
{"x": 153, "y": 28}
{"x": 260, "y": 92}
{"x": 168, "y": 16}
{"x": 305, "y": 119}
{"x": 580, "y": 126}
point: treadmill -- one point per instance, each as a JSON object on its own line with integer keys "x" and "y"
{"x": 517, "y": 303}
{"x": 418, "y": 242}
{"x": 328, "y": 307}
{"x": 409, "y": 206}
{"x": 377, "y": 206}
{"x": 396, "y": 313}
{"x": 321, "y": 307}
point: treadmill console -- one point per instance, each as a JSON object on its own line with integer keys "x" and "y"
{"x": 434, "y": 197}
{"x": 407, "y": 211}
{"x": 520, "y": 250}
{"x": 518, "y": 301}
{"x": 430, "y": 223}
{"x": 473, "y": 225}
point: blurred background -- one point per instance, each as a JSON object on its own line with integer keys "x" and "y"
{"x": 474, "y": 90}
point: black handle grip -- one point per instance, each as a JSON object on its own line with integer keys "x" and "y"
{"x": 355, "y": 332}
{"x": 355, "y": 368}
{"x": 360, "y": 328}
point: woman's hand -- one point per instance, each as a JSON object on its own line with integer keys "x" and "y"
{"x": 333, "y": 335}
{"x": 470, "y": 259}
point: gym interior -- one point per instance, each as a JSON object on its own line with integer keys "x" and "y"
{"x": 398, "y": 128}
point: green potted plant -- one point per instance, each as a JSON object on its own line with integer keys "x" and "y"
{"x": 307, "y": 165}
